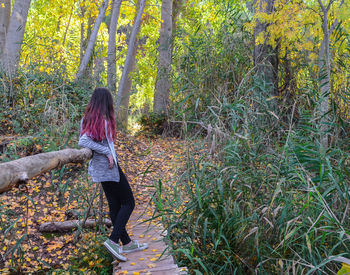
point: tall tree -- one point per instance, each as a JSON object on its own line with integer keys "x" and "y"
{"x": 129, "y": 55}
{"x": 5, "y": 12}
{"x": 90, "y": 46}
{"x": 265, "y": 56}
{"x": 124, "y": 104}
{"x": 177, "y": 5}
{"x": 82, "y": 28}
{"x": 98, "y": 67}
{"x": 325, "y": 67}
{"x": 111, "y": 52}
{"x": 89, "y": 67}
{"x": 161, "y": 94}
{"x": 14, "y": 37}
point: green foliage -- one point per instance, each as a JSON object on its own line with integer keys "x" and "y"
{"x": 269, "y": 199}
{"x": 92, "y": 256}
{"x": 211, "y": 58}
{"x": 43, "y": 109}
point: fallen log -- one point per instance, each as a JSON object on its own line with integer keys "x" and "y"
{"x": 19, "y": 171}
{"x": 69, "y": 225}
{"x": 75, "y": 214}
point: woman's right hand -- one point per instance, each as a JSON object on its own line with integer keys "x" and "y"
{"x": 110, "y": 161}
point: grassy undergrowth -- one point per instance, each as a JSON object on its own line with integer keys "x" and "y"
{"x": 40, "y": 112}
{"x": 266, "y": 197}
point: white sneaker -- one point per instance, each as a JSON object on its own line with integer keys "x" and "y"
{"x": 114, "y": 249}
{"x": 134, "y": 246}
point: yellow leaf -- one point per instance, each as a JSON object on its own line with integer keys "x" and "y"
{"x": 345, "y": 269}
{"x": 132, "y": 263}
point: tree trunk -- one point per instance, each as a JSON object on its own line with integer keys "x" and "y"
{"x": 89, "y": 68}
{"x": 266, "y": 58}
{"x": 14, "y": 37}
{"x": 325, "y": 70}
{"x": 67, "y": 27}
{"x": 23, "y": 169}
{"x": 177, "y": 5}
{"x": 111, "y": 52}
{"x": 88, "y": 53}
{"x": 129, "y": 55}
{"x": 98, "y": 68}
{"x": 82, "y": 30}
{"x": 5, "y": 13}
{"x": 161, "y": 94}
{"x": 69, "y": 225}
{"x": 124, "y": 104}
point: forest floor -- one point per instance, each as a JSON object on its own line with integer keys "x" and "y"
{"x": 48, "y": 197}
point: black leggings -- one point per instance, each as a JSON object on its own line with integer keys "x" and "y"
{"x": 121, "y": 204}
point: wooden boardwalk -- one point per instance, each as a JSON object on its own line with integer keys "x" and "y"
{"x": 156, "y": 259}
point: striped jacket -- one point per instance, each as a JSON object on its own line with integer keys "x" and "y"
{"x": 98, "y": 165}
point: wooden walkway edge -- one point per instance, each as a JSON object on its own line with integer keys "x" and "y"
{"x": 156, "y": 259}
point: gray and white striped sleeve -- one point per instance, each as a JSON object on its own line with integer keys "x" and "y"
{"x": 87, "y": 142}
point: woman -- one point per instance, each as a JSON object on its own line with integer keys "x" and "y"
{"x": 98, "y": 133}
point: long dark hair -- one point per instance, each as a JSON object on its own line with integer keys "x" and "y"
{"x": 99, "y": 109}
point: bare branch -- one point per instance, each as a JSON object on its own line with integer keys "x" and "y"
{"x": 329, "y": 5}
{"x": 322, "y": 6}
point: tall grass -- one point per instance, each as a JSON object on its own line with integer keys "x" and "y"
{"x": 269, "y": 199}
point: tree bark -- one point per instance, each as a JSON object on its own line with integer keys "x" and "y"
{"x": 265, "y": 57}
{"x": 88, "y": 53}
{"x": 129, "y": 55}
{"x": 69, "y": 225}
{"x": 23, "y": 169}
{"x": 98, "y": 68}
{"x": 14, "y": 37}
{"x": 162, "y": 90}
{"x": 82, "y": 29}
{"x": 89, "y": 68}
{"x": 111, "y": 52}
{"x": 5, "y": 13}
{"x": 177, "y": 5}
{"x": 67, "y": 27}
{"x": 124, "y": 104}
{"x": 325, "y": 70}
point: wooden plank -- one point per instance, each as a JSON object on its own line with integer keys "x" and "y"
{"x": 156, "y": 259}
